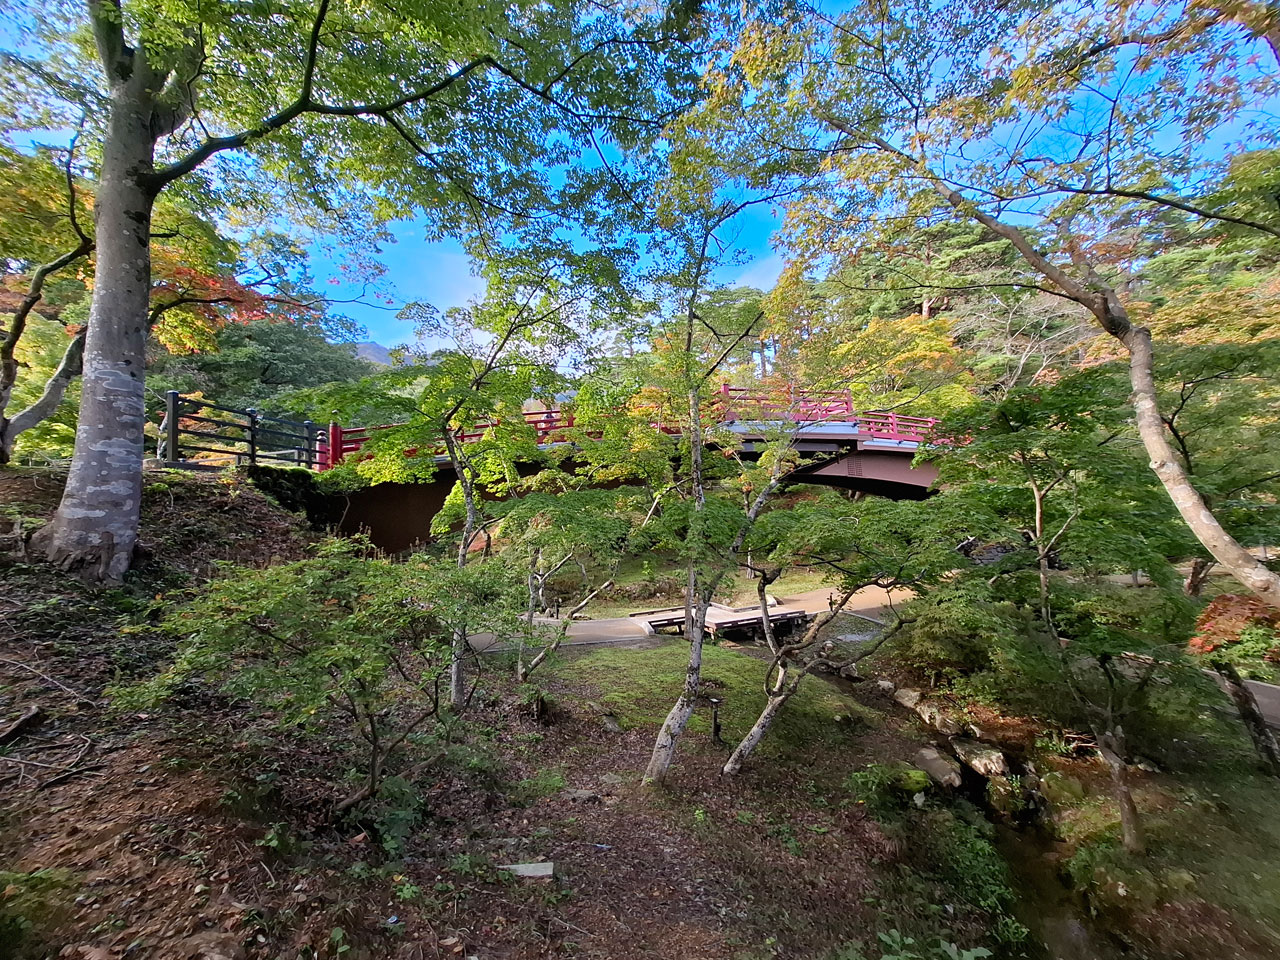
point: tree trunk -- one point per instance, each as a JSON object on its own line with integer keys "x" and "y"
{"x": 1198, "y": 577}
{"x": 96, "y": 526}
{"x": 1186, "y": 498}
{"x": 1104, "y": 303}
{"x": 458, "y": 671}
{"x": 779, "y": 696}
{"x": 696, "y": 602}
{"x": 42, "y": 408}
{"x": 1264, "y": 740}
{"x": 664, "y": 748}
{"x": 1111, "y": 745}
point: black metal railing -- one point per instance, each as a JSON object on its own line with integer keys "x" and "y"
{"x": 229, "y": 435}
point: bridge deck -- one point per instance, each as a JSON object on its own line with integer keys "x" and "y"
{"x": 722, "y": 619}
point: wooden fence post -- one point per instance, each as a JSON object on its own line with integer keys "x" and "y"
{"x": 309, "y": 431}
{"x": 253, "y": 434}
{"x": 171, "y": 404}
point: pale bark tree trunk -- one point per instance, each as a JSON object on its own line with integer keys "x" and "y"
{"x": 43, "y": 407}
{"x": 471, "y": 523}
{"x": 1103, "y": 302}
{"x": 1264, "y": 741}
{"x": 1111, "y": 745}
{"x": 664, "y": 748}
{"x": 96, "y": 525}
{"x": 778, "y": 696}
{"x": 1165, "y": 462}
{"x": 790, "y": 675}
{"x": 697, "y": 600}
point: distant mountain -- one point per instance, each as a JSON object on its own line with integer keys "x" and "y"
{"x": 374, "y": 353}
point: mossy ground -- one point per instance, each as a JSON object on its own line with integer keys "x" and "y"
{"x": 638, "y": 686}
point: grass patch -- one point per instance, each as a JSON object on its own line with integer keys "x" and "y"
{"x": 545, "y": 783}
{"x": 641, "y": 685}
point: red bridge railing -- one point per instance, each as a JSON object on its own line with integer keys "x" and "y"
{"x": 736, "y": 404}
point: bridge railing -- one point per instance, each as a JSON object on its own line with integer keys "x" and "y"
{"x": 549, "y": 427}
{"x": 805, "y": 406}
{"x": 229, "y": 435}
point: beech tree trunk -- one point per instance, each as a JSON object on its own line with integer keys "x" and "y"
{"x": 96, "y": 526}
{"x": 1264, "y": 741}
{"x": 1104, "y": 303}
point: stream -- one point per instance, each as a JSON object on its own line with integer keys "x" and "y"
{"x": 1055, "y": 915}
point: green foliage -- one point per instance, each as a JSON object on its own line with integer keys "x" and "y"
{"x": 896, "y": 945}
{"x": 261, "y": 364}
{"x": 950, "y": 846}
{"x": 344, "y": 635}
{"x": 545, "y": 783}
{"x": 31, "y": 904}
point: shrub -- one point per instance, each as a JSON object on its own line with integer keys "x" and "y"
{"x": 346, "y": 634}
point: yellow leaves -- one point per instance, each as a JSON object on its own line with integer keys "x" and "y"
{"x": 1225, "y": 315}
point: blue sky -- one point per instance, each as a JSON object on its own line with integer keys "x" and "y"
{"x": 440, "y": 273}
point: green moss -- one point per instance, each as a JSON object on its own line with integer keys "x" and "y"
{"x": 642, "y": 685}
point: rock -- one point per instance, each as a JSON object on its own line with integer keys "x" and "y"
{"x": 886, "y": 686}
{"x": 613, "y": 779}
{"x": 1058, "y": 788}
{"x": 934, "y": 716}
{"x": 531, "y": 871}
{"x": 910, "y": 780}
{"x": 980, "y": 757}
{"x": 941, "y": 769}
{"x": 908, "y": 697}
{"x": 1132, "y": 889}
{"x": 581, "y": 796}
{"x": 1005, "y": 796}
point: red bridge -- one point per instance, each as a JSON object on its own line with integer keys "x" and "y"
{"x": 738, "y": 407}
{"x": 864, "y": 452}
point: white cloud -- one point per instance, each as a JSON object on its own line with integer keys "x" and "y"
{"x": 761, "y": 274}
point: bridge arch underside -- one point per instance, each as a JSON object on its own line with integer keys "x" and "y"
{"x": 397, "y": 516}
{"x": 881, "y": 473}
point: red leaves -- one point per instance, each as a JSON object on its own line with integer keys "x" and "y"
{"x": 1222, "y": 621}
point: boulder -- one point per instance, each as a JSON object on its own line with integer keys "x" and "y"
{"x": 980, "y": 757}
{"x": 1005, "y": 795}
{"x": 941, "y": 769}
{"x": 1059, "y": 788}
{"x": 908, "y": 697}
{"x": 911, "y": 781}
{"x": 886, "y": 686}
{"x": 933, "y": 715}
